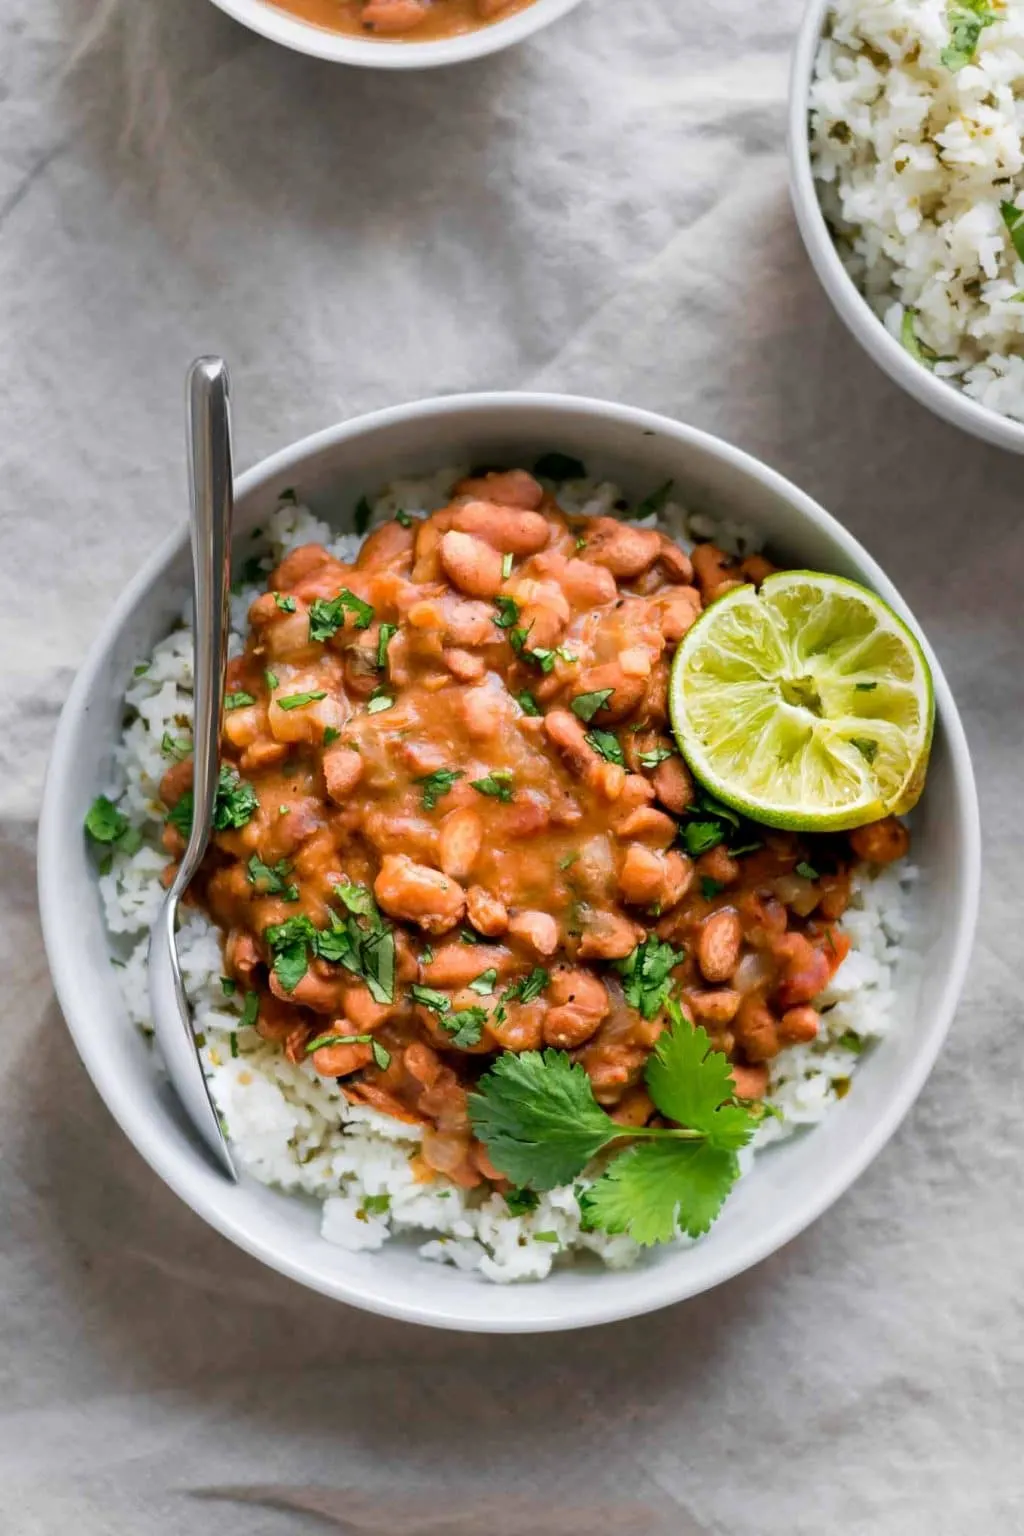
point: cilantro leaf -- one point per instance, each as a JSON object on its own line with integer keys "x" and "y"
{"x": 379, "y": 702}
{"x": 692, "y": 1084}
{"x": 104, "y": 822}
{"x": 967, "y": 21}
{"x": 483, "y": 984}
{"x": 646, "y": 975}
{"x": 251, "y": 1008}
{"x": 497, "y": 784}
{"x": 327, "y": 615}
{"x": 654, "y": 757}
{"x": 806, "y": 871}
{"x": 430, "y": 997}
{"x": 650, "y": 1188}
{"x": 331, "y": 734}
{"x": 586, "y": 705}
{"x": 286, "y": 603}
{"x": 606, "y": 745}
{"x": 238, "y": 700}
{"x": 521, "y": 1202}
{"x": 558, "y": 467}
{"x": 270, "y": 879}
{"x": 357, "y": 898}
{"x": 537, "y": 1115}
{"x": 526, "y": 988}
{"x": 403, "y": 519}
{"x": 299, "y": 700}
{"x": 290, "y": 944}
{"x": 710, "y": 888}
{"x": 234, "y": 805}
{"x": 385, "y": 636}
{"x": 508, "y": 612}
{"x": 177, "y": 748}
{"x": 437, "y": 784}
{"x": 527, "y": 703}
{"x": 465, "y": 1025}
{"x": 909, "y": 339}
{"x": 700, "y": 836}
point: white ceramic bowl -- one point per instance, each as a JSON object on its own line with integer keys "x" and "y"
{"x": 944, "y": 399}
{"x": 378, "y": 53}
{"x": 791, "y": 1184}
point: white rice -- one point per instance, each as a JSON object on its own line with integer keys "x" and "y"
{"x": 913, "y": 160}
{"x": 294, "y": 1129}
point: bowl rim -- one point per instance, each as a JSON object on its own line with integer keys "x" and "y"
{"x": 943, "y": 399}
{"x": 142, "y": 1130}
{"x": 278, "y": 26}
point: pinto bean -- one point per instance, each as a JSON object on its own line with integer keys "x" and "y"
{"x": 456, "y": 964}
{"x": 642, "y": 876}
{"x": 487, "y": 914}
{"x": 673, "y": 784}
{"x": 718, "y": 865}
{"x": 755, "y": 1027}
{"x": 607, "y": 936}
{"x": 508, "y": 487}
{"x": 341, "y": 1060}
{"x": 363, "y": 1011}
{"x": 522, "y": 1028}
{"x": 448, "y": 1153}
{"x": 675, "y": 562}
{"x": 627, "y": 691}
{"x": 805, "y": 970}
{"x": 756, "y": 568}
{"x": 717, "y": 1007}
{"x": 537, "y": 929}
{"x": 471, "y": 565}
{"x": 419, "y": 894}
{"x": 624, "y": 550}
{"x": 388, "y": 547}
{"x": 462, "y": 836}
{"x": 578, "y": 1004}
{"x": 718, "y": 948}
{"x": 800, "y": 1024}
{"x": 750, "y": 1082}
{"x": 510, "y": 530}
{"x": 422, "y": 1063}
{"x": 262, "y": 754}
{"x": 646, "y": 825}
{"x": 315, "y": 991}
{"x": 569, "y": 736}
{"x": 634, "y": 1109}
{"x": 678, "y": 609}
{"x": 485, "y": 711}
{"x": 464, "y": 665}
{"x": 586, "y": 585}
{"x": 881, "y": 842}
{"x": 714, "y": 570}
{"x": 343, "y": 769}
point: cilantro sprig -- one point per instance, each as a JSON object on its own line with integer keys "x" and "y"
{"x": 967, "y": 21}
{"x": 327, "y": 615}
{"x": 434, "y": 786}
{"x": 235, "y": 804}
{"x": 537, "y": 1115}
{"x": 110, "y": 828}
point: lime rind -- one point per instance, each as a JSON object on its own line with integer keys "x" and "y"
{"x": 805, "y": 704}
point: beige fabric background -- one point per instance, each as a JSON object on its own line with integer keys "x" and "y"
{"x": 603, "y": 210}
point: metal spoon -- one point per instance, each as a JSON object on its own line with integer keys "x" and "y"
{"x": 211, "y": 496}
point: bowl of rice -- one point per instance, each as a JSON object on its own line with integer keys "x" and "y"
{"x": 905, "y": 173}
{"x": 328, "y": 1194}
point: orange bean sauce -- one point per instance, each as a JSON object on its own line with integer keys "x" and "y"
{"x": 470, "y": 723}
{"x": 420, "y": 21}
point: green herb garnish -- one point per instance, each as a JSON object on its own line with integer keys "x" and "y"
{"x": 385, "y": 635}
{"x": 655, "y": 502}
{"x": 654, "y": 757}
{"x": 586, "y": 705}
{"x": 966, "y": 21}
{"x": 806, "y": 871}
{"x": 235, "y": 803}
{"x": 331, "y": 734}
{"x": 251, "y": 1009}
{"x": 327, "y": 615}
{"x": 606, "y": 745}
{"x": 521, "y": 1202}
{"x": 299, "y": 700}
{"x": 484, "y": 984}
{"x": 379, "y": 702}
{"x": 709, "y": 888}
{"x": 271, "y": 879}
{"x": 527, "y": 703}
{"x": 647, "y": 975}
{"x": 285, "y": 603}
{"x": 238, "y": 700}
{"x": 497, "y": 784}
{"x": 508, "y": 612}
{"x": 436, "y": 785}
{"x": 403, "y": 518}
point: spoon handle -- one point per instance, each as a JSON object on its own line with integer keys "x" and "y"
{"x": 212, "y": 498}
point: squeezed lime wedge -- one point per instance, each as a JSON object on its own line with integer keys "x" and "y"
{"x": 805, "y": 704}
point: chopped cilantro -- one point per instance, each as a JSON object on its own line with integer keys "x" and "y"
{"x": 228, "y": 987}
{"x": 286, "y": 603}
{"x": 484, "y": 983}
{"x": 327, "y": 615}
{"x": 806, "y": 871}
{"x": 506, "y": 566}
{"x": 508, "y": 614}
{"x": 177, "y": 748}
{"x": 966, "y": 21}
{"x": 465, "y": 1026}
{"x": 141, "y": 669}
{"x": 655, "y": 502}
{"x": 437, "y": 784}
{"x": 381, "y": 1056}
{"x": 403, "y": 518}
{"x": 238, "y": 700}
{"x": 385, "y": 636}
{"x": 299, "y": 700}
{"x": 647, "y": 975}
{"x": 700, "y": 836}
{"x": 376, "y": 1205}
{"x": 270, "y": 880}
{"x": 586, "y": 705}
{"x": 521, "y": 1202}
{"x": 526, "y": 988}
{"x": 251, "y": 1008}
{"x": 497, "y": 784}
{"x": 654, "y": 757}
{"x": 271, "y": 679}
{"x": 430, "y": 997}
{"x": 379, "y": 702}
{"x": 235, "y": 803}
{"x": 606, "y": 745}
{"x": 527, "y": 703}
{"x": 546, "y": 1237}
{"x": 710, "y": 888}
{"x": 331, "y": 734}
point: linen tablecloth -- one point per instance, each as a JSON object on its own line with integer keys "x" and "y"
{"x": 602, "y": 210}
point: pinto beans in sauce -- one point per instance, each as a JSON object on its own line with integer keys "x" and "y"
{"x": 481, "y": 741}
{"x": 418, "y": 20}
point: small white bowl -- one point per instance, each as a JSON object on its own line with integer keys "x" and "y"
{"x": 944, "y": 399}
{"x": 379, "y": 53}
{"x": 791, "y": 1184}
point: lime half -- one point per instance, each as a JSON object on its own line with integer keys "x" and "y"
{"x": 807, "y": 704}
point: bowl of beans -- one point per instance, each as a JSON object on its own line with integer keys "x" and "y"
{"x": 476, "y": 961}
{"x": 396, "y": 34}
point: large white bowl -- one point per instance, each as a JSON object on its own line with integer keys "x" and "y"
{"x": 379, "y": 53}
{"x": 944, "y": 399}
{"x": 791, "y": 1184}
